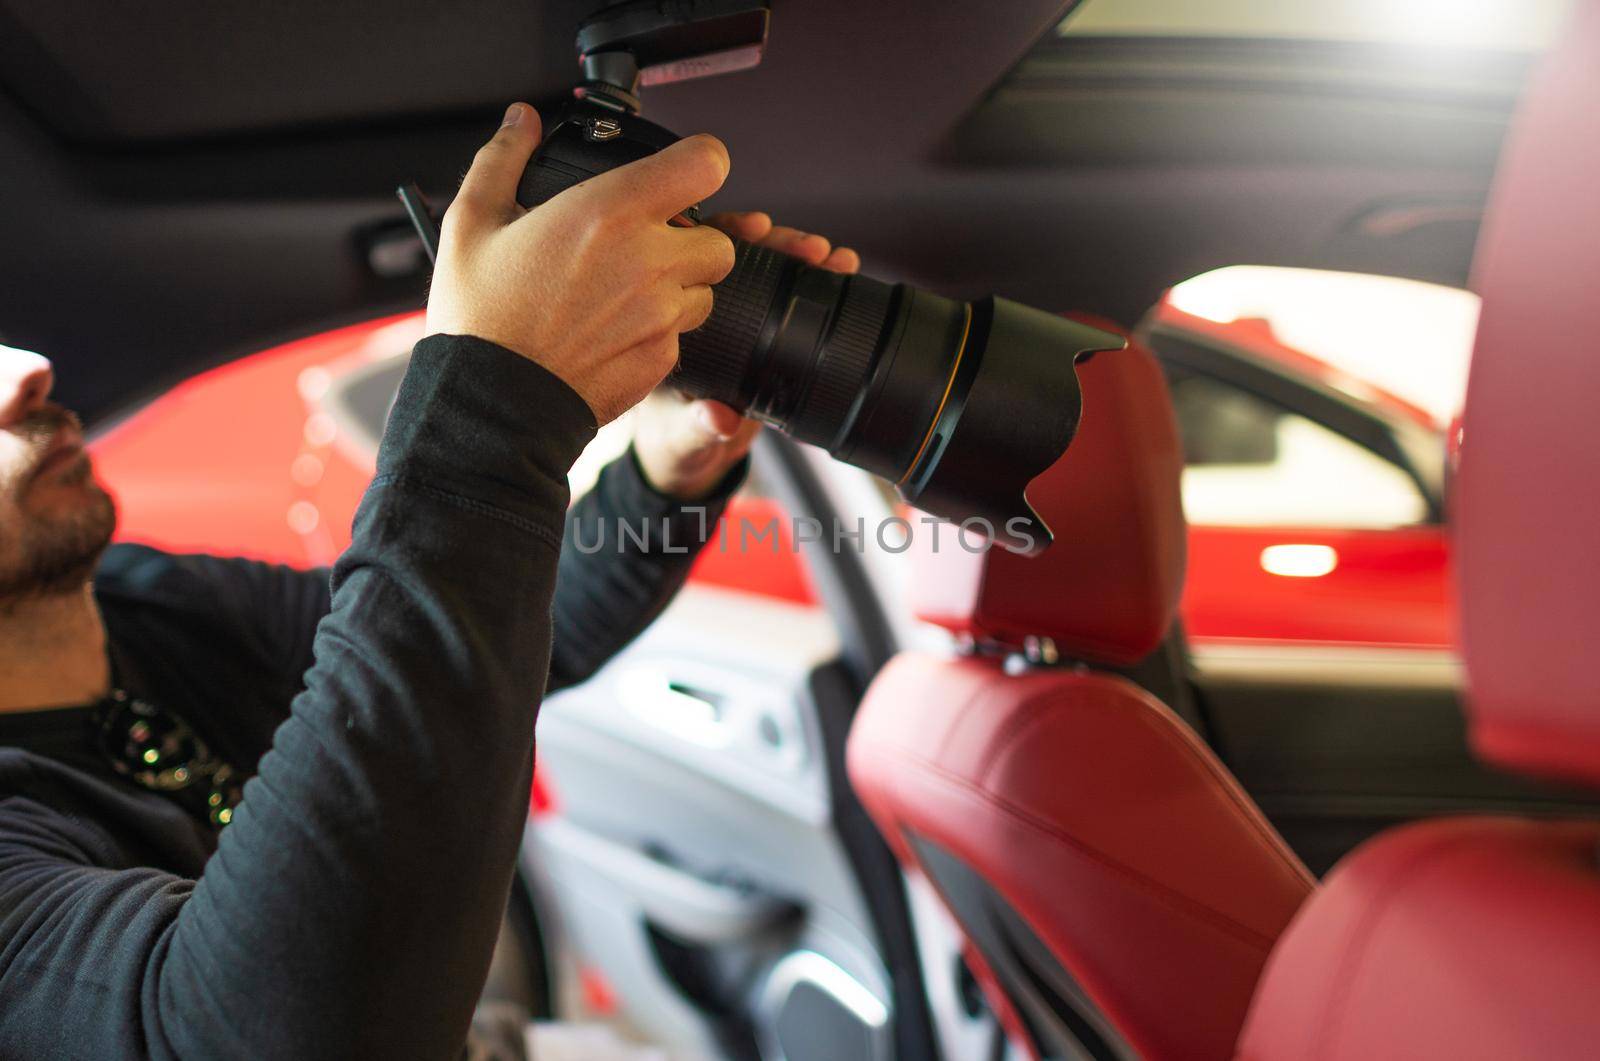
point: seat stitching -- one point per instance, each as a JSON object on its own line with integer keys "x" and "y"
{"x": 978, "y": 689}
{"x": 1167, "y": 896}
{"x": 1190, "y": 744}
{"x": 1200, "y": 756}
{"x": 1002, "y": 738}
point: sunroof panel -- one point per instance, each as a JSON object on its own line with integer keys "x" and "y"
{"x": 1486, "y": 25}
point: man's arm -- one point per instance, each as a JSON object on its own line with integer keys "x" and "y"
{"x": 612, "y": 583}
{"x": 273, "y": 607}
{"x": 352, "y": 903}
{"x": 628, "y": 550}
{"x": 387, "y": 815}
{"x": 351, "y": 907}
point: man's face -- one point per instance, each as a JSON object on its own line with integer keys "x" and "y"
{"x": 55, "y": 520}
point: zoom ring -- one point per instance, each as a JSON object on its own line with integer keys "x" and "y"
{"x": 841, "y": 371}
{"x": 713, "y": 359}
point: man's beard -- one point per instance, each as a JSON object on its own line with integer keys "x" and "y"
{"x": 59, "y": 555}
{"x": 56, "y": 553}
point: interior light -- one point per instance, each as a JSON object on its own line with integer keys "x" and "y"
{"x": 320, "y": 430}
{"x": 307, "y": 469}
{"x": 303, "y": 517}
{"x": 313, "y": 383}
{"x": 1299, "y": 561}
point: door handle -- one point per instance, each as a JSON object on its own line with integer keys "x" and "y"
{"x": 694, "y": 713}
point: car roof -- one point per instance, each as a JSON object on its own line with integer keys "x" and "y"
{"x": 184, "y": 184}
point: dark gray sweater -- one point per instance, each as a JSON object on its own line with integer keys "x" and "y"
{"x": 350, "y": 908}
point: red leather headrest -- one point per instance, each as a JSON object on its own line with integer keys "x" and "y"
{"x": 1527, "y": 507}
{"x": 1106, "y": 590}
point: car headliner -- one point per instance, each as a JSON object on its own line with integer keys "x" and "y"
{"x": 186, "y": 183}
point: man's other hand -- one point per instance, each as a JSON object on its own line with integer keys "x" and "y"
{"x": 685, "y": 447}
{"x": 594, "y": 285}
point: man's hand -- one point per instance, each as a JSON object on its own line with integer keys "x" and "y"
{"x": 685, "y": 447}
{"x": 594, "y": 285}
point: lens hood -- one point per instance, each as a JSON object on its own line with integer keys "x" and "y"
{"x": 1012, "y": 410}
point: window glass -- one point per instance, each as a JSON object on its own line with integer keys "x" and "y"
{"x": 1373, "y": 337}
{"x": 1249, "y": 463}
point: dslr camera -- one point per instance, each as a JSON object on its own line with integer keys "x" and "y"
{"x": 958, "y": 404}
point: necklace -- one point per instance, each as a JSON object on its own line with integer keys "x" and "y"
{"x": 157, "y": 750}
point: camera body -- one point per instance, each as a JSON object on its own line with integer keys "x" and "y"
{"x": 586, "y": 139}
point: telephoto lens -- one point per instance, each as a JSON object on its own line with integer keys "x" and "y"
{"x": 959, "y": 404}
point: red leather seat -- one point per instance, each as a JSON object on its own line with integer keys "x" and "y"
{"x": 1119, "y": 890}
{"x": 1480, "y": 937}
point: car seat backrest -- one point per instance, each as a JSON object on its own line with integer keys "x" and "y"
{"x": 1526, "y": 507}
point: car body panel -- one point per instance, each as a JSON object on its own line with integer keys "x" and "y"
{"x": 1389, "y": 587}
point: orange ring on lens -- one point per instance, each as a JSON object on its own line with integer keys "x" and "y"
{"x": 933, "y": 425}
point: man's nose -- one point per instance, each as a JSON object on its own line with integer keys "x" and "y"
{"x": 25, "y": 382}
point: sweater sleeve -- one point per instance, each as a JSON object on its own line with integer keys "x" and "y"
{"x": 351, "y": 907}
{"x": 628, "y": 550}
{"x": 275, "y": 608}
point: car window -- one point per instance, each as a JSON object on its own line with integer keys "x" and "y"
{"x": 1249, "y": 463}
{"x": 1384, "y": 340}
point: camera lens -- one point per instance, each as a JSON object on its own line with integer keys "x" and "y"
{"x": 959, "y": 404}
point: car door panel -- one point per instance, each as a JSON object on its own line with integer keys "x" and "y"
{"x": 692, "y": 853}
{"x": 1320, "y": 585}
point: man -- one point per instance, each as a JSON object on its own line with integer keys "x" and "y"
{"x": 344, "y": 900}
